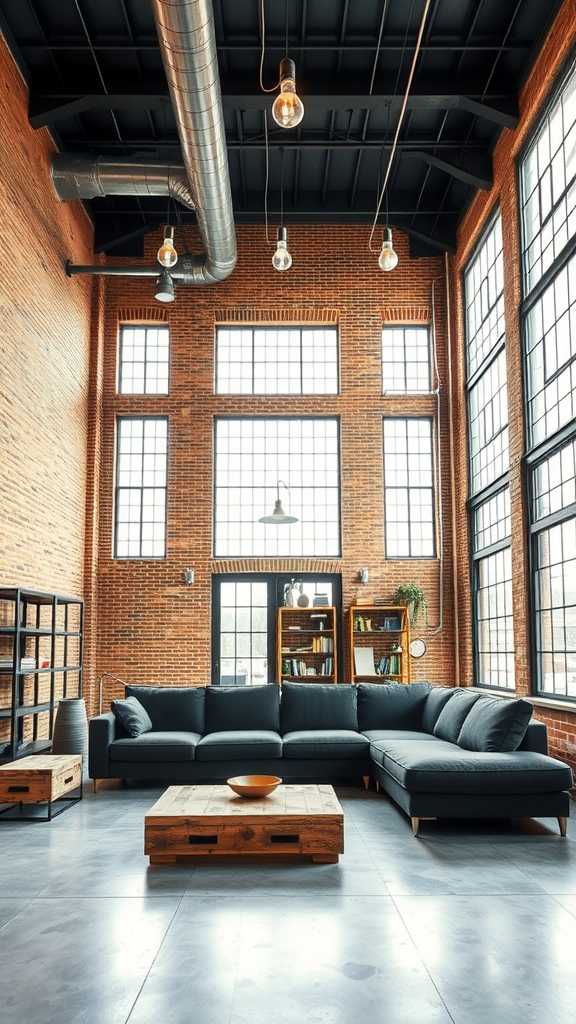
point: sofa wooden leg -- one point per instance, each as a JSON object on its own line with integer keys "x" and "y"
{"x": 377, "y": 786}
{"x": 416, "y": 823}
{"x": 97, "y": 783}
{"x": 366, "y": 781}
{"x": 562, "y": 822}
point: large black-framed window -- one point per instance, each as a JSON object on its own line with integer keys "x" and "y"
{"x": 547, "y": 173}
{"x": 141, "y": 486}
{"x": 244, "y": 619}
{"x": 277, "y": 360}
{"x": 488, "y": 455}
{"x": 143, "y": 359}
{"x": 405, "y": 359}
{"x": 409, "y": 515}
{"x": 251, "y": 454}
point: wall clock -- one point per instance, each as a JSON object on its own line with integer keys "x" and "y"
{"x": 417, "y": 648}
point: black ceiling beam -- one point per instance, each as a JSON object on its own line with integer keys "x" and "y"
{"x": 326, "y": 47}
{"x": 45, "y": 109}
{"x": 476, "y": 171}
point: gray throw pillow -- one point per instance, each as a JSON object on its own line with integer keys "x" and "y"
{"x": 495, "y": 724}
{"x": 451, "y": 718}
{"x": 435, "y": 701}
{"x": 132, "y": 716}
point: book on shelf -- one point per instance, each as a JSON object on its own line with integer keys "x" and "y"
{"x": 327, "y": 667}
{"x": 26, "y": 664}
{"x": 364, "y": 661}
{"x": 319, "y": 600}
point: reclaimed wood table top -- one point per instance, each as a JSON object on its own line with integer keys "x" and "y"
{"x": 217, "y": 802}
{"x": 42, "y": 763}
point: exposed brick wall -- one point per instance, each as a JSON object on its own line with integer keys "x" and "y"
{"x": 556, "y": 49}
{"x": 44, "y": 355}
{"x": 151, "y": 626}
{"x": 45, "y": 350}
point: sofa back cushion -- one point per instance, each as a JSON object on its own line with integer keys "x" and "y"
{"x": 391, "y": 705}
{"x": 132, "y": 716}
{"x": 317, "y": 706}
{"x": 495, "y": 724}
{"x": 172, "y": 708}
{"x": 451, "y": 718}
{"x": 233, "y": 708}
{"x": 435, "y": 701}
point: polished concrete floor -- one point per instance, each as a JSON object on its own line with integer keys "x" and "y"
{"x": 472, "y": 923}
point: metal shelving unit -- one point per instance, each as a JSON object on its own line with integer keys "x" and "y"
{"x": 41, "y": 640}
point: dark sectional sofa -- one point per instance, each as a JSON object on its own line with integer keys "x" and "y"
{"x": 437, "y": 751}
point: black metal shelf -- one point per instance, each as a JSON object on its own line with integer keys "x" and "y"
{"x": 37, "y": 635}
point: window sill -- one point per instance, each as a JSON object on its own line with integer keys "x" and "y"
{"x": 548, "y": 703}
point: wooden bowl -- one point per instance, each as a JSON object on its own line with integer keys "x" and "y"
{"x": 252, "y": 786}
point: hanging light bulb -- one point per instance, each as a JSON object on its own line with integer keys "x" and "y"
{"x": 167, "y": 254}
{"x": 282, "y": 259}
{"x": 387, "y": 259}
{"x": 288, "y": 109}
{"x": 164, "y": 291}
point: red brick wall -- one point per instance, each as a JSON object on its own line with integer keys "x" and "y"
{"x": 45, "y": 332}
{"x": 151, "y": 626}
{"x": 561, "y": 723}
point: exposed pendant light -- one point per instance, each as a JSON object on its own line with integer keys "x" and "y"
{"x": 278, "y": 516}
{"x": 387, "y": 259}
{"x": 167, "y": 255}
{"x": 164, "y": 287}
{"x": 288, "y": 109}
{"x": 282, "y": 260}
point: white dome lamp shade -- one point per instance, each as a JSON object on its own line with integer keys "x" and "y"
{"x": 278, "y": 516}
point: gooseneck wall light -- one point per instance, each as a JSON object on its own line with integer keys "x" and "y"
{"x": 278, "y": 516}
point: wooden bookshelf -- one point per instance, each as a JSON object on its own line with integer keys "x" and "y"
{"x": 306, "y": 645}
{"x": 379, "y": 644}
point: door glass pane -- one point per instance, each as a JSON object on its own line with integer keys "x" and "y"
{"x": 243, "y": 633}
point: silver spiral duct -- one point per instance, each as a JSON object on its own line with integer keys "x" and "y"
{"x": 79, "y": 177}
{"x": 188, "y": 48}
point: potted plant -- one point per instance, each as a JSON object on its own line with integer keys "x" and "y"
{"x": 415, "y": 600}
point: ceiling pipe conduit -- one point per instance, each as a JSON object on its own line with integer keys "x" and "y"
{"x": 188, "y": 48}
{"x": 78, "y": 177}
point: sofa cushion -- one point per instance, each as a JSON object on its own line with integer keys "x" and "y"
{"x": 446, "y": 768}
{"x": 374, "y": 735}
{"x": 451, "y": 718}
{"x": 391, "y": 705}
{"x": 322, "y": 743}
{"x": 242, "y": 707}
{"x": 170, "y": 745}
{"x": 435, "y": 701}
{"x": 306, "y": 706}
{"x": 494, "y": 723}
{"x": 172, "y": 707}
{"x": 132, "y": 716}
{"x": 239, "y": 743}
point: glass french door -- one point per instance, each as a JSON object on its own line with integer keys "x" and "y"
{"x": 244, "y": 612}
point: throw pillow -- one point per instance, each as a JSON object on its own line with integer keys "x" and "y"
{"x": 451, "y": 718}
{"x": 132, "y": 716}
{"x": 495, "y": 724}
{"x": 435, "y": 701}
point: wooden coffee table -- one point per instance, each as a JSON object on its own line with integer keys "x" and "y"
{"x": 40, "y": 778}
{"x": 211, "y": 823}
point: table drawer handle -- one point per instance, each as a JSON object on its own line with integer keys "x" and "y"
{"x": 69, "y": 779}
{"x": 203, "y": 840}
{"x": 285, "y": 839}
{"x": 18, "y": 789}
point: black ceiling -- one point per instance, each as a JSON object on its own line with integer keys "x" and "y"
{"x": 96, "y": 80}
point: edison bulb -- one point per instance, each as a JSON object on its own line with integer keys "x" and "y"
{"x": 167, "y": 255}
{"x": 288, "y": 109}
{"x": 387, "y": 259}
{"x": 282, "y": 259}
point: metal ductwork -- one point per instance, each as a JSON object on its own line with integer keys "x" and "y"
{"x": 80, "y": 177}
{"x": 188, "y": 47}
